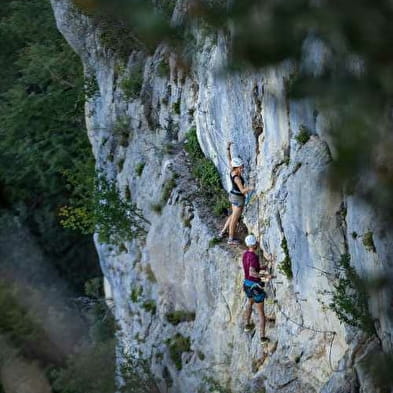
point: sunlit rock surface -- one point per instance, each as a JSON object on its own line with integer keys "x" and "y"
{"x": 175, "y": 268}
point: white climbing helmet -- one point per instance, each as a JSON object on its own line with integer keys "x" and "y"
{"x": 250, "y": 240}
{"x": 237, "y": 161}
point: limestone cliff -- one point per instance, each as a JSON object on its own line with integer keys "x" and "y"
{"x": 294, "y": 212}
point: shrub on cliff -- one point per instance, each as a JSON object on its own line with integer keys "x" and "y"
{"x": 98, "y": 207}
{"x": 206, "y": 173}
{"x": 349, "y": 300}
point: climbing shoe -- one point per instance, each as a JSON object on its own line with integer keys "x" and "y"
{"x": 264, "y": 339}
{"x": 233, "y": 242}
{"x": 221, "y": 235}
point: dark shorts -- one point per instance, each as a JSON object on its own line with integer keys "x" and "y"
{"x": 254, "y": 291}
{"x": 237, "y": 200}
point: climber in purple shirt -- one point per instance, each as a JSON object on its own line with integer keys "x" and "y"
{"x": 253, "y": 285}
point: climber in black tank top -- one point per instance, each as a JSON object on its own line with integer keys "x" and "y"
{"x": 236, "y": 196}
{"x": 235, "y": 188}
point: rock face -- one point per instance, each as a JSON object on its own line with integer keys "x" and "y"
{"x": 293, "y": 212}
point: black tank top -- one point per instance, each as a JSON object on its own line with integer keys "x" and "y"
{"x": 235, "y": 189}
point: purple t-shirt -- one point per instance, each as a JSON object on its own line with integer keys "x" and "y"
{"x": 250, "y": 259}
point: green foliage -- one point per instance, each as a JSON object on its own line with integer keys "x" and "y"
{"x": 285, "y": 266}
{"x": 120, "y": 164}
{"x": 92, "y": 370}
{"x": 214, "y": 241}
{"x": 169, "y": 148}
{"x": 179, "y": 316}
{"x": 167, "y": 6}
{"x": 139, "y": 168}
{"x": 167, "y": 190}
{"x": 201, "y": 355}
{"x": 42, "y": 131}
{"x": 187, "y": 222}
{"x": 177, "y": 345}
{"x": 99, "y": 208}
{"x": 214, "y": 386}
{"x": 91, "y": 367}
{"x": 206, "y": 174}
{"x": 94, "y": 287}
{"x": 18, "y": 324}
{"x": 368, "y": 242}
{"x": 132, "y": 84}
{"x": 349, "y": 300}
{"x": 102, "y": 324}
{"x": 91, "y": 88}
{"x": 136, "y": 376}
{"x": 122, "y": 131}
{"x": 303, "y": 136}
{"x": 163, "y": 69}
{"x": 136, "y": 293}
{"x": 150, "y": 274}
{"x": 221, "y": 203}
{"x": 150, "y": 306}
{"x": 176, "y": 107}
{"x": 157, "y": 207}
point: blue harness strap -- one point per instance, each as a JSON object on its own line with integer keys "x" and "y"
{"x": 254, "y": 290}
{"x": 249, "y": 196}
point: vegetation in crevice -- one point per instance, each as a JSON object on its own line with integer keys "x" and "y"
{"x": 150, "y": 274}
{"x": 285, "y": 266}
{"x": 214, "y": 386}
{"x": 349, "y": 299}
{"x": 177, "y": 345}
{"x": 368, "y": 242}
{"x": 131, "y": 84}
{"x": 176, "y": 107}
{"x": 122, "y": 131}
{"x": 139, "y": 168}
{"x": 303, "y": 135}
{"x": 214, "y": 241}
{"x": 150, "y": 306}
{"x": 136, "y": 375}
{"x": 206, "y": 174}
{"x": 90, "y": 87}
{"x": 157, "y": 207}
{"x": 136, "y": 293}
{"x": 163, "y": 68}
{"x": 179, "y": 316}
{"x": 168, "y": 188}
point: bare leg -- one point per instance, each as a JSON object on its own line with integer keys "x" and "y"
{"x": 248, "y": 312}
{"x": 227, "y": 222}
{"x": 261, "y": 312}
{"x": 236, "y": 213}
